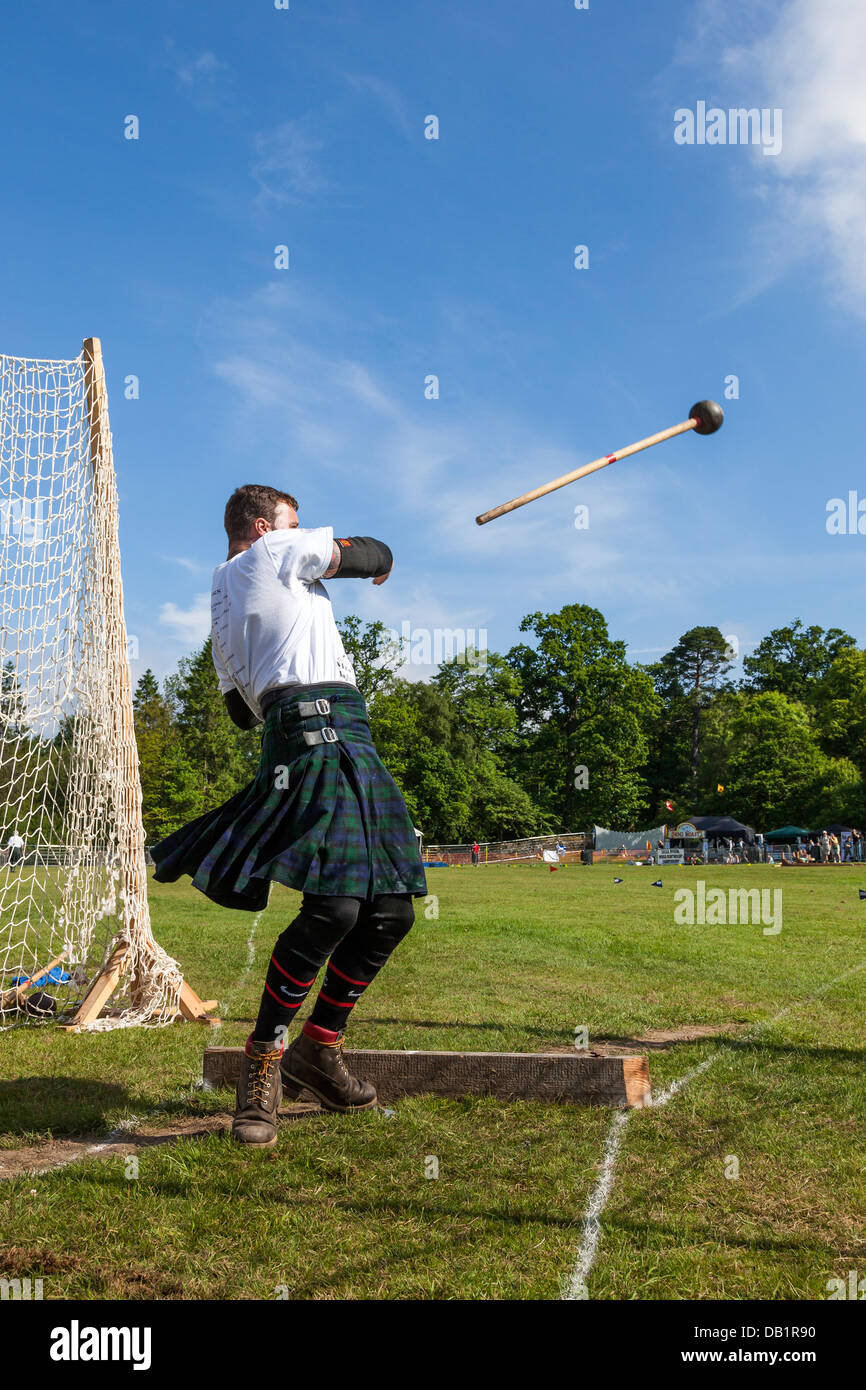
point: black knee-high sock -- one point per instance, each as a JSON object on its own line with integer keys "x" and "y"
{"x": 357, "y": 960}
{"x": 298, "y": 956}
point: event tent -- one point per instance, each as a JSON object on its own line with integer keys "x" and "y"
{"x": 788, "y": 833}
{"x": 723, "y": 827}
{"x": 613, "y": 840}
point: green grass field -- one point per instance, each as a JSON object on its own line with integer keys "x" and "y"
{"x": 517, "y": 960}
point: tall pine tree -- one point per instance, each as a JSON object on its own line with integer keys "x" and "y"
{"x": 171, "y": 793}
{"x": 223, "y": 758}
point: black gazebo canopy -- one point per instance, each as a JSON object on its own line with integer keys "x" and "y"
{"x": 723, "y": 827}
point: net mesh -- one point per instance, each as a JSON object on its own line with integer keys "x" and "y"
{"x": 73, "y": 880}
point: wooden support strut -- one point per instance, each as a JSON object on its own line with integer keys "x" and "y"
{"x": 581, "y": 1078}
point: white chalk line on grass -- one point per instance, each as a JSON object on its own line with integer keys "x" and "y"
{"x": 251, "y": 960}
{"x": 576, "y": 1287}
{"x": 114, "y": 1137}
{"x": 129, "y": 1125}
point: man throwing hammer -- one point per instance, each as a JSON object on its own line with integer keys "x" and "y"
{"x": 323, "y": 815}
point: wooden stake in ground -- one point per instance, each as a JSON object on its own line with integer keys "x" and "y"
{"x": 704, "y": 418}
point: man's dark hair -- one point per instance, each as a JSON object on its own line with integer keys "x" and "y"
{"x": 248, "y": 503}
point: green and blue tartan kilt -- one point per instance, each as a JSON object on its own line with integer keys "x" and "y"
{"x": 327, "y": 818}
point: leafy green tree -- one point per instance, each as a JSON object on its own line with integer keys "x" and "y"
{"x": 777, "y": 769}
{"x": 794, "y": 659}
{"x": 718, "y": 742}
{"x": 33, "y": 777}
{"x": 500, "y": 809}
{"x": 687, "y": 680}
{"x": 431, "y": 738}
{"x": 581, "y": 705}
{"x": 373, "y": 653}
{"x": 412, "y": 726}
{"x": 840, "y": 707}
{"x": 14, "y": 744}
{"x": 223, "y": 757}
{"x": 483, "y": 696}
{"x": 13, "y": 706}
{"x": 837, "y": 796}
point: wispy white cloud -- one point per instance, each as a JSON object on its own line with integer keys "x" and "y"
{"x": 287, "y": 168}
{"x": 432, "y": 469}
{"x": 188, "y": 625}
{"x": 386, "y": 95}
{"x": 194, "y": 566}
{"x": 201, "y": 77}
{"x": 806, "y": 58}
{"x": 205, "y": 68}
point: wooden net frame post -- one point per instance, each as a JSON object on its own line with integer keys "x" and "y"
{"x": 134, "y": 869}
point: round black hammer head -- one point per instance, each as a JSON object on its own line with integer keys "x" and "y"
{"x": 708, "y": 415}
{"x": 38, "y": 1004}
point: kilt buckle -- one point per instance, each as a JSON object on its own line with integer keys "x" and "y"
{"x": 312, "y": 737}
{"x": 308, "y": 708}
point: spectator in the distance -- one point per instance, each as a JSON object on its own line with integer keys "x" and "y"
{"x": 14, "y": 849}
{"x": 476, "y": 852}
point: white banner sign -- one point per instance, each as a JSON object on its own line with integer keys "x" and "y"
{"x": 670, "y": 856}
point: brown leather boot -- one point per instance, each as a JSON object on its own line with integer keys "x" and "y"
{"x": 320, "y": 1067}
{"x": 259, "y": 1092}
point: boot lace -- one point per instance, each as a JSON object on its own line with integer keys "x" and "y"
{"x": 260, "y": 1078}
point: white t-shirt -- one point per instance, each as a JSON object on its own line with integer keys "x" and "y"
{"x": 15, "y": 842}
{"x": 271, "y": 620}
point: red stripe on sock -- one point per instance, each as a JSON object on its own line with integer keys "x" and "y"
{"x": 280, "y": 1000}
{"x": 336, "y": 1002}
{"x": 332, "y": 966}
{"x": 305, "y": 984}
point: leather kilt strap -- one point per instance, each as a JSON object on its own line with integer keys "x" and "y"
{"x": 307, "y": 709}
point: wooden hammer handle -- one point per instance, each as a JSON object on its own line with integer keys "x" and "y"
{"x": 587, "y": 468}
{"x": 9, "y": 996}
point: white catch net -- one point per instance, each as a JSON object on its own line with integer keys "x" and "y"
{"x": 73, "y": 883}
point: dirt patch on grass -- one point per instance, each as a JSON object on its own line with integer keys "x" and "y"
{"x": 653, "y": 1039}
{"x": 26, "y": 1261}
{"x": 23, "y": 1260}
{"x": 35, "y": 1159}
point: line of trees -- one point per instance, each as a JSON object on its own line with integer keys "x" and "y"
{"x": 559, "y": 732}
{"x": 40, "y": 772}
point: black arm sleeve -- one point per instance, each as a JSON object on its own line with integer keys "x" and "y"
{"x": 239, "y": 711}
{"x": 362, "y": 558}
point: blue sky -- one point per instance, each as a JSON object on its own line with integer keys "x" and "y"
{"x": 454, "y": 257}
